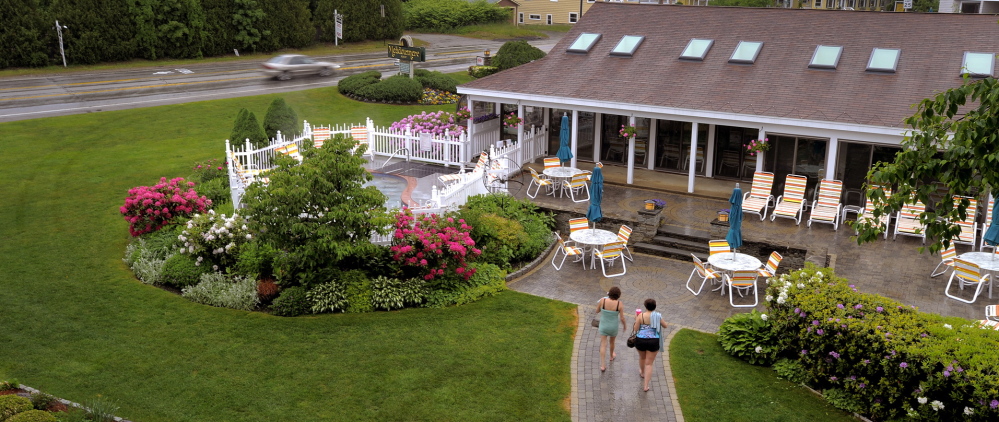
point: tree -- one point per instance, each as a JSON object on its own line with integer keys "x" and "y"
{"x": 246, "y": 127}
{"x": 953, "y": 150}
{"x": 318, "y": 213}
{"x": 288, "y": 23}
{"x": 25, "y": 34}
{"x": 99, "y": 30}
{"x": 516, "y": 53}
{"x": 280, "y": 117}
{"x": 363, "y": 19}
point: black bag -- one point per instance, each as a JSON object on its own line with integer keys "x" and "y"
{"x": 631, "y": 340}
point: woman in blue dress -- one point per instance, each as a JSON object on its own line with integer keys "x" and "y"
{"x": 648, "y": 325}
{"x": 611, "y": 318}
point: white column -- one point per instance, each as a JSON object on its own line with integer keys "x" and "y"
{"x": 650, "y": 151}
{"x": 520, "y": 129}
{"x": 709, "y": 153}
{"x": 544, "y": 142}
{"x": 831, "y": 160}
{"x": 575, "y": 137}
{"x": 598, "y": 131}
{"x": 631, "y": 153}
{"x": 471, "y": 118}
{"x": 761, "y": 156}
{"x": 692, "y": 164}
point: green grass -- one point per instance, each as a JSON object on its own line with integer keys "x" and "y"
{"x": 76, "y": 324}
{"x": 714, "y": 386}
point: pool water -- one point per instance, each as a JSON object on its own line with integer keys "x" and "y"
{"x": 391, "y": 186}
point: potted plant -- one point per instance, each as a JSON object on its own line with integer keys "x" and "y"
{"x": 757, "y": 146}
{"x": 654, "y": 204}
{"x": 628, "y": 131}
{"x": 723, "y": 215}
{"x": 511, "y": 120}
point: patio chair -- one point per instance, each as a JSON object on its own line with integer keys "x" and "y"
{"x": 868, "y": 211}
{"x": 987, "y": 324}
{"x": 757, "y": 200}
{"x": 742, "y": 281}
{"x": 450, "y": 179}
{"x": 610, "y": 254}
{"x": 967, "y": 273}
{"x": 969, "y": 229}
{"x": 577, "y": 224}
{"x": 576, "y": 185}
{"x": 985, "y": 225}
{"x": 770, "y": 269}
{"x": 992, "y": 312}
{"x": 718, "y": 246}
{"x": 319, "y": 136}
{"x": 290, "y": 150}
{"x": 360, "y": 135}
{"x": 792, "y": 203}
{"x": 827, "y": 207}
{"x": 624, "y": 234}
{"x": 705, "y": 274}
{"x": 946, "y": 260}
{"x": 552, "y": 162}
{"x": 907, "y": 222}
{"x": 539, "y": 181}
{"x": 566, "y": 251}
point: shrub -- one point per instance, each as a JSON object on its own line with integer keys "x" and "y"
{"x": 438, "y": 122}
{"x": 748, "y": 336}
{"x": 351, "y": 84}
{"x": 516, "y": 53}
{"x": 357, "y": 289}
{"x": 145, "y": 261}
{"x": 101, "y": 409}
{"x": 256, "y": 259}
{"x": 246, "y": 127}
{"x": 42, "y": 401}
{"x": 537, "y": 225}
{"x": 267, "y": 290}
{"x": 280, "y": 117}
{"x": 482, "y": 71}
{"x": 436, "y": 80}
{"x": 327, "y": 297}
{"x": 214, "y": 239}
{"x": 216, "y": 289}
{"x": 443, "y": 15}
{"x": 9, "y": 385}
{"x": 842, "y": 400}
{"x": 291, "y": 302}
{"x": 209, "y": 170}
{"x": 149, "y": 208}
{"x": 497, "y": 237}
{"x": 11, "y": 405}
{"x": 431, "y": 245}
{"x": 181, "y": 271}
{"x": 398, "y": 88}
{"x": 392, "y": 293}
{"x": 33, "y": 416}
{"x": 217, "y": 190}
{"x": 791, "y": 370}
{"x": 435, "y": 97}
{"x": 488, "y": 280}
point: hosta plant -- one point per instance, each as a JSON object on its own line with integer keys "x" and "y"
{"x": 748, "y": 336}
{"x": 391, "y": 293}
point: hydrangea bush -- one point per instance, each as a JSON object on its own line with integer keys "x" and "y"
{"x": 215, "y": 239}
{"x": 149, "y": 208}
{"x": 434, "y": 245}
{"x": 437, "y": 123}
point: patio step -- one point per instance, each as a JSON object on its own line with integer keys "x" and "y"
{"x": 667, "y": 251}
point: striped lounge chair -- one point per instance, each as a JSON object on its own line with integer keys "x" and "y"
{"x": 987, "y": 324}
{"x": 985, "y": 225}
{"x": 757, "y": 200}
{"x": 552, "y": 162}
{"x": 907, "y": 222}
{"x": 967, "y": 273}
{"x": 290, "y": 150}
{"x": 320, "y": 135}
{"x": 577, "y": 185}
{"x": 624, "y": 234}
{"x": 770, "y": 269}
{"x": 946, "y": 260}
{"x": 567, "y": 251}
{"x": 992, "y": 312}
{"x": 868, "y": 212}
{"x": 450, "y": 179}
{"x": 577, "y": 224}
{"x": 827, "y": 207}
{"x": 792, "y": 203}
{"x": 705, "y": 274}
{"x": 360, "y": 135}
{"x": 969, "y": 229}
{"x": 608, "y": 255}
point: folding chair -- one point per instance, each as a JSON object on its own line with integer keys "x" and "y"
{"x": 868, "y": 212}
{"x": 705, "y": 274}
{"x": 537, "y": 180}
{"x": 992, "y": 312}
{"x": 946, "y": 259}
{"x": 969, "y": 229}
{"x": 577, "y": 224}
{"x": 792, "y": 203}
{"x": 319, "y": 136}
{"x": 624, "y": 234}
{"x": 742, "y": 281}
{"x": 770, "y": 269}
{"x": 985, "y": 225}
{"x": 827, "y": 207}
{"x": 577, "y": 184}
{"x": 290, "y": 150}
{"x": 907, "y": 222}
{"x": 718, "y": 246}
{"x": 552, "y": 162}
{"x": 610, "y": 253}
{"x": 567, "y": 251}
{"x": 360, "y": 135}
{"x": 988, "y": 324}
{"x": 967, "y": 273}
{"x": 758, "y": 199}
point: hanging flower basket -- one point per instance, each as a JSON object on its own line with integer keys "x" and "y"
{"x": 511, "y": 120}
{"x": 757, "y": 146}
{"x": 628, "y": 131}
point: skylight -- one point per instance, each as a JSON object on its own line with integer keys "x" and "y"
{"x": 746, "y": 52}
{"x": 627, "y": 45}
{"x": 584, "y": 42}
{"x": 826, "y": 57}
{"x": 978, "y": 64}
{"x": 884, "y": 60}
{"x": 696, "y": 49}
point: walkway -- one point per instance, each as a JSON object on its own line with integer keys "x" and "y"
{"x": 894, "y": 269}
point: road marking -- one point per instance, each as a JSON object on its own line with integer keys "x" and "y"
{"x": 127, "y": 89}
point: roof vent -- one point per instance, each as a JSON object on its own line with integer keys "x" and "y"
{"x": 826, "y": 57}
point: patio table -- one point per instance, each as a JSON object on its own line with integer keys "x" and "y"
{"x": 559, "y": 175}
{"x": 593, "y": 238}
{"x": 733, "y": 261}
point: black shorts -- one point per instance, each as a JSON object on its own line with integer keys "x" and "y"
{"x": 647, "y": 344}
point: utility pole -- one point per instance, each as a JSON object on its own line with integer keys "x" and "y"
{"x": 59, "y": 29}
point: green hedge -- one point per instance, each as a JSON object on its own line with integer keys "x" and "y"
{"x": 33, "y": 416}
{"x": 443, "y": 15}
{"x": 435, "y": 80}
{"x": 481, "y": 71}
{"x": 516, "y": 53}
{"x": 506, "y": 229}
{"x": 397, "y": 88}
{"x": 364, "y": 17}
{"x": 353, "y": 83}
{"x": 11, "y": 405}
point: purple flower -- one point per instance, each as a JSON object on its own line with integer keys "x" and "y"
{"x": 960, "y": 369}
{"x": 832, "y": 379}
{"x": 903, "y": 365}
{"x": 840, "y": 305}
{"x": 922, "y": 335}
{"x": 866, "y": 361}
{"x": 862, "y": 385}
{"x": 853, "y": 377}
{"x": 819, "y": 331}
{"x": 804, "y": 352}
{"x": 834, "y": 354}
{"x": 797, "y": 310}
{"x": 858, "y": 306}
{"x": 815, "y": 322}
{"x": 946, "y": 373}
{"x": 879, "y": 309}
{"x": 994, "y": 404}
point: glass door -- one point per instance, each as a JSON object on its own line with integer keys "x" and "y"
{"x": 796, "y": 155}
{"x": 731, "y": 159}
{"x": 614, "y": 147}
{"x": 855, "y": 160}
{"x": 673, "y": 146}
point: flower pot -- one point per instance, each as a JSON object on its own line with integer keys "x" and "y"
{"x": 649, "y": 205}
{"x": 723, "y": 216}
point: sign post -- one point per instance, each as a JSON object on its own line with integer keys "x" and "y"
{"x": 409, "y": 54}
{"x": 338, "y": 18}
{"x": 907, "y": 4}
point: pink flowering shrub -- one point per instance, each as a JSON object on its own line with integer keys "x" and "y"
{"x": 149, "y": 208}
{"x": 436, "y": 122}
{"x": 434, "y": 245}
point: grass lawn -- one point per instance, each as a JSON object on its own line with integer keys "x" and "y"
{"x": 714, "y": 386}
{"x": 75, "y": 323}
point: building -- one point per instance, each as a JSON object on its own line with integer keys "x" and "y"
{"x": 829, "y": 89}
{"x": 547, "y": 12}
{"x": 976, "y": 6}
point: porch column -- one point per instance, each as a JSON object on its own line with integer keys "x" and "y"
{"x": 759, "y": 160}
{"x": 709, "y": 153}
{"x": 631, "y": 153}
{"x": 597, "y": 133}
{"x": 692, "y": 164}
{"x": 650, "y": 151}
{"x": 575, "y": 137}
{"x": 548, "y": 118}
{"x": 831, "y": 159}
{"x": 520, "y": 129}
{"x": 471, "y": 118}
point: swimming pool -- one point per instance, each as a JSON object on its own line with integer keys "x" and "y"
{"x": 391, "y": 186}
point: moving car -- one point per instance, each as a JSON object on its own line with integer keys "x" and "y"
{"x": 285, "y": 66}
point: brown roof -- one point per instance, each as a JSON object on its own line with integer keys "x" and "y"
{"x": 779, "y": 84}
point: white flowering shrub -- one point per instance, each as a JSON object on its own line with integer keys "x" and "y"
{"x": 214, "y": 239}
{"x": 217, "y": 289}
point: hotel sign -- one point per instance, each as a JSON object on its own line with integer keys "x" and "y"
{"x": 413, "y": 54}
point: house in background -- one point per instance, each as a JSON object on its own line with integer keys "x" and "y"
{"x": 547, "y": 12}
{"x": 978, "y": 6}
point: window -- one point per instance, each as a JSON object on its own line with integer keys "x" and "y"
{"x": 826, "y": 57}
{"x": 884, "y": 60}
{"x": 573, "y": 17}
{"x": 696, "y": 49}
{"x": 746, "y": 52}
{"x": 818, "y": 4}
{"x": 520, "y": 18}
{"x": 978, "y": 64}
{"x": 627, "y": 45}
{"x": 584, "y": 43}
{"x": 534, "y": 17}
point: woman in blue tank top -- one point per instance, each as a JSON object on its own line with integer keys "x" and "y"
{"x": 648, "y": 325}
{"x": 610, "y": 314}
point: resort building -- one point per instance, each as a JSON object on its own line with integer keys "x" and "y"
{"x": 829, "y": 89}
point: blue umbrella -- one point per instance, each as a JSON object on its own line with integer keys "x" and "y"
{"x": 564, "y": 153}
{"x": 991, "y": 235}
{"x": 594, "y": 213}
{"x": 734, "y": 237}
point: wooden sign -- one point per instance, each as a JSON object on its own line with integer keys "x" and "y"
{"x": 412, "y": 54}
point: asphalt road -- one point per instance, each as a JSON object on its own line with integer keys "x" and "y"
{"x": 31, "y": 97}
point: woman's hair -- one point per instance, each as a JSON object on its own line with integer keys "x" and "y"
{"x": 614, "y": 293}
{"x": 650, "y": 304}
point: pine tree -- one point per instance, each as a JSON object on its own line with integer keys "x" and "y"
{"x": 246, "y": 127}
{"x": 280, "y": 117}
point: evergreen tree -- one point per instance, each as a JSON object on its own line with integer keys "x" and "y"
{"x": 220, "y": 28}
{"x": 288, "y": 24}
{"x": 180, "y": 26}
{"x": 247, "y": 19}
{"x": 25, "y": 34}
{"x": 362, "y": 19}
{"x": 280, "y": 117}
{"x": 246, "y": 127}
{"x": 99, "y": 30}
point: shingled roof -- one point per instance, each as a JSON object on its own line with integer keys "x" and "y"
{"x": 779, "y": 84}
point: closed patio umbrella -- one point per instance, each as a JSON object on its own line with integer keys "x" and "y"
{"x": 991, "y": 235}
{"x": 564, "y": 152}
{"x": 595, "y": 213}
{"x": 734, "y": 236}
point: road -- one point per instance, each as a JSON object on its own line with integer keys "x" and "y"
{"x": 31, "y": 97}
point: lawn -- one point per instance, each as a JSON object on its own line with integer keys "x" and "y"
{"x": 714, "y": 386}
{"x": 75, "y": 323}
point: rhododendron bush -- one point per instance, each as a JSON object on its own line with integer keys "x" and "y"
{"x": 434, "y": 245}
{"x": 149, "y": 208}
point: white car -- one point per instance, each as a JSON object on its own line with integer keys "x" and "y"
{"x": 285, "y": 66}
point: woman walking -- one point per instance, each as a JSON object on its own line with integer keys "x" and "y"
{"x": 649, "y": 325}
{"x": 610, "y": 313}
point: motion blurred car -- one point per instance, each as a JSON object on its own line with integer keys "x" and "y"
{"x": 285, "y": 66}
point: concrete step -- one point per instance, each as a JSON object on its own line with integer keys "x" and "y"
{"x": 697, "y": 246}
{"x": 667, "y": 251}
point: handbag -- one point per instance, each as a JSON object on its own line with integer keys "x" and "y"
{"x": 595, "y": 321}
{"x": 631, "y": 340}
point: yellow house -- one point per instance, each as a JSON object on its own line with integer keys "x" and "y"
{"x": 547, "y": 12}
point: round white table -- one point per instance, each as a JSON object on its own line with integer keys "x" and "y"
{"x": 559, "y": 175}
{"x": 592, "y": 238}
{"x": 985, "y": 260}
{"x": 733, "y": 261}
